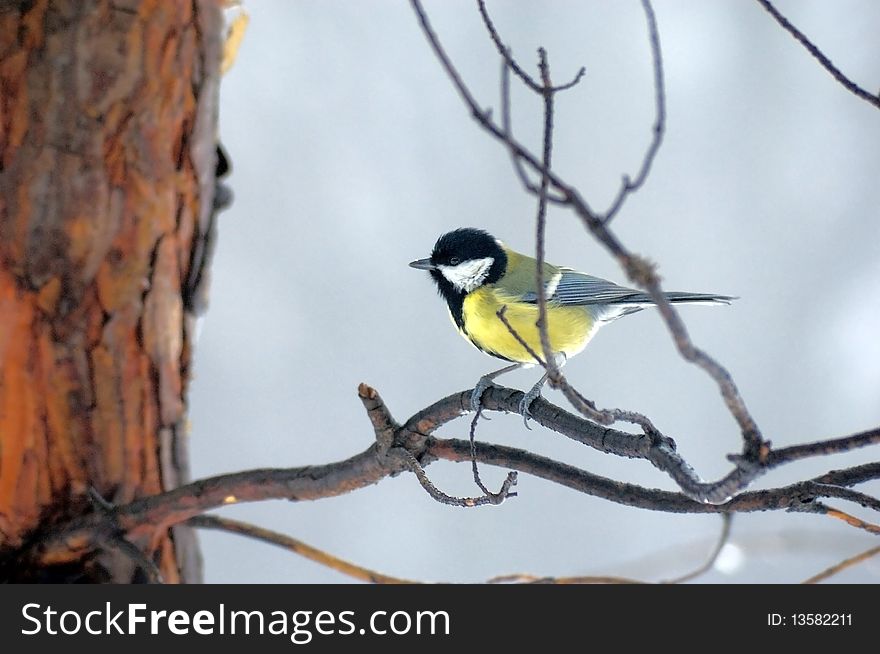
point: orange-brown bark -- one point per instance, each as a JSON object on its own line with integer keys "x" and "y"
{"x": 107, "y": 119}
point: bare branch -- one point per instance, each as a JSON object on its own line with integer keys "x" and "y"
{"x": 795, "y": 497}
{"x": 726, "y": 521}
{"x": 296, "y": 546}
{"x": 489, "y": 497}
{"x": 823, "y": 448}
{"x": 848, "y": 518}
{"x": 840, "y": 492}
{"x": 504, "y": 51}
{"x": 843, "y": 565}
{"x": 825, "y": 62}
{"x": 522, "y": 578}
{"x": 628, "y": 185}
{"x": 502, "y": 316}
{"x": 506, "y": 128}
{"x": 143, "y": 563}
{"x": 546, "y": 91}
{"x": 145, "y": 520}
{"x": 504, "y": 493}
{"x": 850, "y": 476}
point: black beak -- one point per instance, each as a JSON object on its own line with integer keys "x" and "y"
{"x": 422, "y": 264}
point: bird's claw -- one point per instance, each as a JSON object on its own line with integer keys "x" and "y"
{"x": 525, "y": 404}
{"x": 477, "y": 396}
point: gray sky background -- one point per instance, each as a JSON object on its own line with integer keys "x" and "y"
{"x": 352, "y": 154}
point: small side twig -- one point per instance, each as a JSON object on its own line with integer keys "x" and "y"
{"x": 504, "y": 51}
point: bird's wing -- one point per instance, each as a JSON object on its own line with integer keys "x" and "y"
{"x": 576, "y": 288}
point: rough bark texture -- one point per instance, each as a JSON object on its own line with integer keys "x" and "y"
{"x": 107, "y": 154}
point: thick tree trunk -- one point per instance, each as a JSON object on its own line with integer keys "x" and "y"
{"x": 107, "y": 155}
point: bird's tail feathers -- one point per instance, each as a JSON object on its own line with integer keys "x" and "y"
{"x": 624, "y": 306}
{"x": 697, "y": 298}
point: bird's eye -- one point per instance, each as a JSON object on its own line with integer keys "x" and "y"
{"x": 454, "y": 261}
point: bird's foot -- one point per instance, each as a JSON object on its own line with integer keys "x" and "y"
{"x": 526, "y": 402}
{"x": 477, "y": 394}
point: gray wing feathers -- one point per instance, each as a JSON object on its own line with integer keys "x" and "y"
{"x": 575, "y": 288}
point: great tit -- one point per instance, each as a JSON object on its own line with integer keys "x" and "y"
{"x": 477, "y": 275}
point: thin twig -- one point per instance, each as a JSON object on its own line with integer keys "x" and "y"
{"x": 489, "y": 498}
{"x": 850, "y": 476}
{"x": 843, "y": 565}
{"x": 296, "y": 546}
{"x": 629, "y": 186}
{"x": 839, "y": 492}
{"x": 472, "y": 438}
{"x": 823, "y": 448}
{"x": 522, "y": 578}
{"x": 501, "y": 313}
{"x": 504, "y": 51}
{"x": 142, "y": 562}
{"x": 586, "y": 407}
{"x": 726, "y": 521}
{"x": 849, "y": 519}
{"x": 817, "y": 54}
{"x": 507, "y": 129}
{"x": 546, "y": 92}
{"x": 608, "y": 417}
{"x": 359, "y": 572}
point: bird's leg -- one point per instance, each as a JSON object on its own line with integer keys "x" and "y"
{"x": 485, "y": 382}
{"x": 535, "y": 392}
{"x": 530, "y": 397}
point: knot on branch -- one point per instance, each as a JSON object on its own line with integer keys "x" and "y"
{"x": 640, "y": 270}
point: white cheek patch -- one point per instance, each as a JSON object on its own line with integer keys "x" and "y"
{"x": 467, "y": 275}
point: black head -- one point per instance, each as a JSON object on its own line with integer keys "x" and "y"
{"x": 462, "y": 261}
{"x": 467, "y": 258}
{"x": 467, "y": 244}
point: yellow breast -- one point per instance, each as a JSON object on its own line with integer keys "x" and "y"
{"x": 569, "y": 328}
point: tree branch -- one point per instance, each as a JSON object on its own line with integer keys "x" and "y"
{"x": 296, "y": 546}
{"x": 817, "y": 54}
{"x": 145, "y": 520}
{"x": 629, "y": 186}
{"x": 726, "y": 522}
{"x": 843, "y": 565}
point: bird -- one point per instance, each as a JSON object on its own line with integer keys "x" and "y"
{"x": 478, "y": 277}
